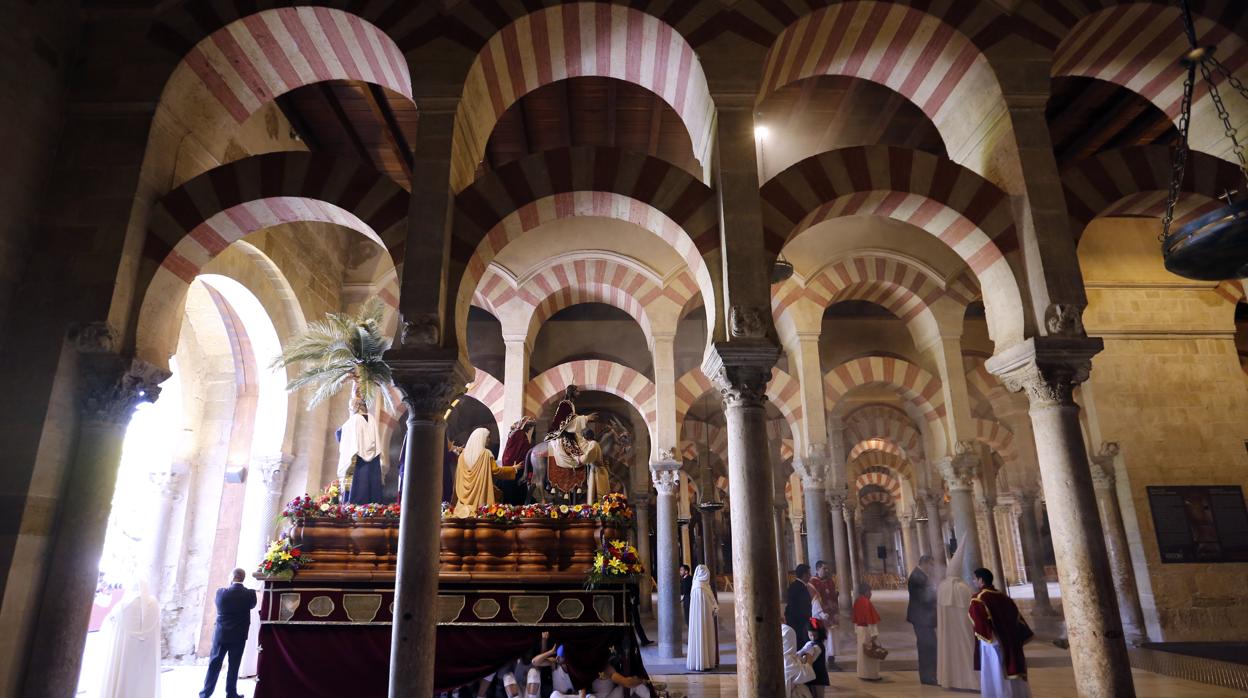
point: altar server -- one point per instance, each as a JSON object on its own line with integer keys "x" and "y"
{"x": 1001, "y": 632}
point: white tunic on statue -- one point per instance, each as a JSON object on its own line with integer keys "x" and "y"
{"x": 701, "y": 653}
{"x": 133, "y": 630}
{"x": 955, "y": 638}
{"x": 992, "y": 674}
{"x": 360, "y": 436}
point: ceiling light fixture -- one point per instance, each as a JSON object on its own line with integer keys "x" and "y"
{"x": 1215, "y": 246}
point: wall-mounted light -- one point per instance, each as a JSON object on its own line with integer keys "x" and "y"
{"x": 761, "y": 133}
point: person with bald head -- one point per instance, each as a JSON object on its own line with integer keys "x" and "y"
{"x": 234, "y": 604}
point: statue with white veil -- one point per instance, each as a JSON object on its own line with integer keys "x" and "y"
{"x": 955, "y": 636}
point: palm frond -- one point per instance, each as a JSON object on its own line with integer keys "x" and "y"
{"x": 340, "y": 349}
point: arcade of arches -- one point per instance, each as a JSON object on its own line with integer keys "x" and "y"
{"x": 978, "y": 345}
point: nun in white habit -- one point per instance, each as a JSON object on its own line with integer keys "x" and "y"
{"x": 703, "y": 650}
{"x": 955, "y": 637}
{"x": 133, "y": 629}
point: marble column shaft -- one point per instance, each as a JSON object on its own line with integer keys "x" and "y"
{"x": 1029, "y": 532}
{"x": 1048, "y": 369}
{"x": 844, "y": 567}
{"x": 799, "y": 549}
{"x": 167, "y": 486}
{"x": 818, "y": 517}
{"x": 935, "y": 538}
{"x": 994, "y": 561}
{"x": 909, "y": 546}
{"x": 779, "y": 532}
{"x": 960, "y": 472}
{"x": 427, "y": 386}
{"x": 642, "y": 507}
{"x": 110, "y": 387}
{"x": 1105, "y": 483}
{"x": 855, "y": 563}
{"x": 666, "y": 477}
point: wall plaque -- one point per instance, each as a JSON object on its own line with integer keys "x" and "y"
{"x": 1200, "y": 523}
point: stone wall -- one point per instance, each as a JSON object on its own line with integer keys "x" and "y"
{"x": 1169, "y": 389}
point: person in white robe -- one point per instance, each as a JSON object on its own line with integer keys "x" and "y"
{"x": 702, "y": 652}
{"x": 133, "y": 629}
{"x": 359, "y": 455}
{"x": 797, "y": 666}
{"x": 955, "y": 643}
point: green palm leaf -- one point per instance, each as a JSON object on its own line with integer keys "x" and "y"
{"x": 342, "y": 349}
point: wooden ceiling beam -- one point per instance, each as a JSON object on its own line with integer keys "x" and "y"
{"x": 1089, "y": 140}
{"x": 611, "y": 108}
{"x": 375, "y": 97}
{"x": 564, "y": 110}
{"x": 526, "y": 143}
{"x": 656, "y": 126}
{"x": 288, "y": 103}
{"x": 335, "y": 107}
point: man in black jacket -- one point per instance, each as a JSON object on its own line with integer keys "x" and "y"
{"x": 686, "y": 590}
{"x": 797, "y": 606}
{"x": 921, "y": 613}
{"x": 234, "y": 604}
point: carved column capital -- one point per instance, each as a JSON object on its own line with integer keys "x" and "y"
{"x": 813, "y": 470}
{"x": 112, "y": 386}
{"x": 641, "y": 501}
{"x": 1046, "y": 368}
{"x": 838, "y": 497}
{"x": 665, "y": 475}
{"x": 428, "y": 381}
{"x": 273, "y": 469}
{"x": 167, "y": 484}
{"x": 962, "y": 469}
{"x": 1103, "y": 474}
{"x": 741, "y": 370}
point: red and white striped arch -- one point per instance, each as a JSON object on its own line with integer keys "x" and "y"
{"x": 593, "y": 374}
{"x": 883, "y": 422}
{"x": 1137, "y": 46}
{"x": 783, "y": 391}
{"x": 979, "y": 383}
{"x": 487, "y": 390}
{"x": 998, "y": 437}
{"x": 876, "y": 444}
{"x": 574, "y": 40}
{"x": 966, "y": 212}
{"x": 873, "y": 495}
{"x": 689, "y": 388}
{"x": 913, "y": 53}
{"x": 884, "y": 481}
{"x": 1135, "y": 182}
{"x": 918, "y": 387}
{"x": 195, "y": 222}
{"x": 696, "y": 435}
{"x": 877, "y": 458}
{"x": 580, "y": 204}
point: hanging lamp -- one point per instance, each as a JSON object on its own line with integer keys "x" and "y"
{"x": 1213, "y": 247}
{"x": 781, "y": 270}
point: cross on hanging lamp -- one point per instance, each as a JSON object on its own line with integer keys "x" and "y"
{"x": 1213, "y": 247}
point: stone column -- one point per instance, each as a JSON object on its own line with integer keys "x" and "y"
{"x": 666, "y": 476}
{"x": 710, "y": 539}
{"x": 110, "y": 387}
{"x": 1003, "y": 515}
{"x": 1104, "y": 481}
{"x": 960, "y": 472}
{"x": 855, "y": 565}
{"x": 920, "y": 533}
{"x": 933, "y": 529}
{"x": 813, "y": 471}
{"x": 908, "y": 543}
{"x": 272, "y": 470}
{"x": 642, "y": 507}
{"x": 168, "y": 489}
{"x": 988, "y": 504}
{"x": 799, "y": 550}
{"x": 779, "y": 531}
{"x": 1029, "y": 533}
{"x": 515, "y": 379}
{"x": 1048, "y": 368}
{"x": 741, "y": 371}
{"x": 427, "y": 384}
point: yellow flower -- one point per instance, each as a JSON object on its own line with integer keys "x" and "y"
{"x": 563, "y": 508}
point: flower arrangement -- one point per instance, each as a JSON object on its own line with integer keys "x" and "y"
{"x": 282, "y": 559}
{"x": 617, "y": 561}
{"x": 614, "y": 507}
{"x": 328, "y": 506}
{"x": 498, "y": 513}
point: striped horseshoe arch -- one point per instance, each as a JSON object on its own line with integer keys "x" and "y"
{"x": 783, "y": 391}
{"x": 487, "y": 390}
{"x": 913, "y": 53}
{"x": 1135, "y": 182}
{"x": 883, "y": 422}
{"x": 918, "y": 387}
{"x": 888, "y": 483}
{"x": 195, "y": 222}
{"x": 877, "y": 459}
{"x": 574, "y": 40}
{"x": 966, "y": 212}
{"x": 593, "y": 374}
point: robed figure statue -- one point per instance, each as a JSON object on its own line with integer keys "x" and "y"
{"x": 475, "y": 473}
{"x": 359, "y": 456}
{"x": 515, "y": 454}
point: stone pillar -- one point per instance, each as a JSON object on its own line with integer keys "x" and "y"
{"x": 427, "y": 384}
{"x": 110, "y": 387}
{"x": 934, "y": 531}
{"x": 168, "y": 489}
{"x": 515, "y": 379}
{"x": 960, "y": 472}
{"x": 1029, "y": 533}
{"x": 1048, "y": 368}
{"x": 1104, "y": 481}
{"x": 741, "y": 371}
{"x": 779, "y": 531}
{"x": 799, "y": 550}
{"x": 642, "y": 507}
{"x": 710, "y": 540}
{"x": 666, "y": 476}
{"x": 1007, "y": 528}
{"x": 855, "y": 565}
{"x": 988, "y": 504}
{"x": 908, "y": 543}
{"x": 272, "y": 470}
{"x": 813, "y": 471}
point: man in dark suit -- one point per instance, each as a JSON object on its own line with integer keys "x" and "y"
{"x": 234, "y": 604}
{"x": 921, "y": 613}
{"x": 797, "y": 601}
{"x": 686, "y": 590}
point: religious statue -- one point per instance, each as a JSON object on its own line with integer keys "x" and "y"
{"x": 515, "y": 454}
{"x": 564, "y": 411}
{"x": 475, "y": 473}
{"x": 359, "y": 456}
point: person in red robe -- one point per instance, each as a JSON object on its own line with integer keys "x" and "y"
{"x": 867, "y": 630}
{"x": 515, "y": 454}
{"x": 823, "y": 588}
{"x": 1001, "y": 632}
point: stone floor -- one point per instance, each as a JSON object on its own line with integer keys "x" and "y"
{"x": 1050, "y": 675}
